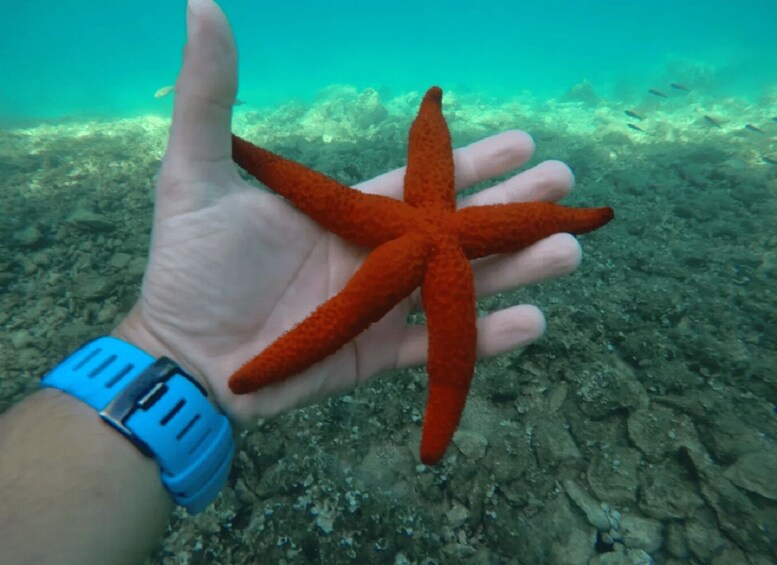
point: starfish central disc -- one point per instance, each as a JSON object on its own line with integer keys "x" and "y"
{"x": 434, "y": 224}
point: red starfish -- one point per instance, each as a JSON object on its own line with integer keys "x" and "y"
{"x": 421, "y": 241}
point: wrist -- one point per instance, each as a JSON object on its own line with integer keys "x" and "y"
{"x": 75, "y": 488}
{"x": 132, "y": 330}
{"x": 159, "y": 408}
{"x": 135, "y": 330}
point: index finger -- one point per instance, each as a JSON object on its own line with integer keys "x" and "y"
{"x": 474, "y": 163}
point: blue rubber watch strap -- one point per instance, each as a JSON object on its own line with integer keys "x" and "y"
{"x": 98, "y": 371}
{"x": 197, "y": 448}
{"x": 160, "y": 408}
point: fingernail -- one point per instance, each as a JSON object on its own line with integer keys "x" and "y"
{"x": 197, "y": 5}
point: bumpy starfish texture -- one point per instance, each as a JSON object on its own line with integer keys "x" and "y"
{"x": 422, "y": 241}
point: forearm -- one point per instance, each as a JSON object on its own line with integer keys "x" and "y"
{"x": 72, "y": 489}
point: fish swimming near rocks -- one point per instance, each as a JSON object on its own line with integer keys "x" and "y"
{"x": 713, "y": 121}
{"x": 678, "y": 86}
{"x": 633, "y": 114}
{"x": 658, "y": 93}
{"x": 635, "y": 128}
{"x": 756, "y": 129}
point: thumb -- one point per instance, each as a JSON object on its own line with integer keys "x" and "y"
{"x": 204, "y": 93}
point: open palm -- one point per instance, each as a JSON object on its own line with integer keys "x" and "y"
{"x": 232, "y": 267}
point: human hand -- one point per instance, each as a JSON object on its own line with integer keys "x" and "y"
{"x": 231, "y": 267}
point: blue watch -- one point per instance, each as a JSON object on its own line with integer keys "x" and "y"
{"x": 159, "y": 408}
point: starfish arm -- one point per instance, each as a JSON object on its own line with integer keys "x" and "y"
{"x": 360, "y": 218}
{"x": 389, "y": 274}
{"x": 429, "y": 178}
{"x": 449, "y": 302}
{"x": 505, "y": 228}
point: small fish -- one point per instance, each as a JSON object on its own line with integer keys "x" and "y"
{"x": 635, "y": 128}
{"x": 658, "y": 93}
{"x": 756, "y": 129}
{"x": 633, "y": 114}
{"x": 713, "y": 121}
{"x": 164, "y": 91}
{"x": 678, "y": 86}
{"x": 774, "y": 119}
{"x": 770, "y": 160}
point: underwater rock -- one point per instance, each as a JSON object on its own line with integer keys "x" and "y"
{"x": 21, "y": 339}
{"x": 703, "y": 538}
{"x": 369, "y": 109}
{"x": 343, "y": 113}
{"x": 675, "y": 543}
{"x": 457, "y": 515}
{"x": 573, "y": 548}
{"x": 554, "y": 444}
{"x": 729, "y": 504}
{"x": 91, "y": 287}
{"x": 120, "y": 260}
{"x": 728, "y": 437}
{"x": 582, "y": 92}
{"x": 592, "y": 509}
{"x": 658, "y": 431}
{"x": 755, "y": 472}
{"x": 28, "y": 237}
{"x": 107, "y": 313}
{"x": 472, "y": 444}
{"x": 382, "y": 468}
{"x": 517, "y": 457}
{"x": 612, "y": 475}
{"x": 570, "y": 545}
{"x": 633, "y": 557}
{"x": 137, "y": 267}
{"x": 607, "y": 389}
{"x": 642, "y": 533}
{"x": 665, "y": 494}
